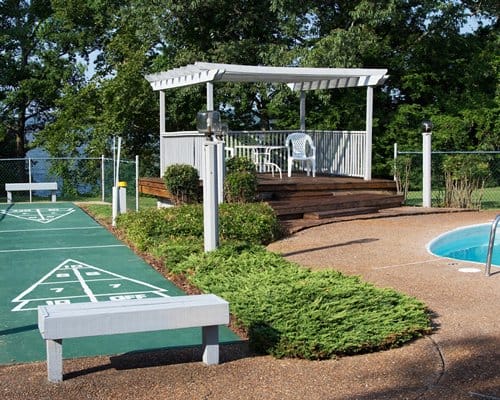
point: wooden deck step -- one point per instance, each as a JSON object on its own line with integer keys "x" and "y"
{"x": 154, "y": 187}
{"x": 340, "y": 213}
{"x": 296, "y": 207}
{"x": 316, "y": 198}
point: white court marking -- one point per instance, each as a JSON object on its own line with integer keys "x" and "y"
{"x": 61, "y": 248}
{"x": 89, "y": 287}
{"x": 41, "y": 215}
{"x": 76, "y": 228}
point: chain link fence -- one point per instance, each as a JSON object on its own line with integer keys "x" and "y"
{"x": 459, "y": 179}
{"x": 78, "y": 179}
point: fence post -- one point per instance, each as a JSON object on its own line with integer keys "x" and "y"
{"x": 102, "y": 178}
{"x": 426, "y": 165}
{"x": 395, "y": 160}
{"x": 29, "y": 178}
{"x": 136, "y": 183}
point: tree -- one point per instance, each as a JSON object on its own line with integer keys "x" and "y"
{"x": 436, "y": 69}
{"x": 34, "y": 68}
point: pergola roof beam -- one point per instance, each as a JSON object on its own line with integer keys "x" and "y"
{"x": 297, "y": 78}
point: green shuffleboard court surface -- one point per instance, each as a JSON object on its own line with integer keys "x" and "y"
{"x": 54, "y": 253}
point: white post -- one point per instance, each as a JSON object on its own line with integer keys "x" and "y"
{"x": 395, "y": 160}
{"x": 426, "y": 168}
{"x": 115, "y": 193}
{"x": 162, "y": 111}
{"x": 102, "y": 177}
{"x": 114, "y": 205}
{"x": 114, "y": 159}
{"x": 210, "y": 96}
{"x": 210, "y": 203}
{"x": 302, "y": 110}
{"x": 162, "y": 130}
{"x": 368, "y": 141}
{"x": 122, "y": 197}
{"x": 29, "y": 178}
{"x": 221, "y": 168}
{"x": 136, "y": 183}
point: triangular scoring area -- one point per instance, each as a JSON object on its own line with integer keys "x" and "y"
{"x": 74, "y": 282}
{"x": 41, "y": 215}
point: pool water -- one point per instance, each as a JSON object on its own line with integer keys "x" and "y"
{"x": 469, "y": 243}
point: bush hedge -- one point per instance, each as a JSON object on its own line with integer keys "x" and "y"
{"x": 290, "y": 311}
{"x": 287, "y": 310}
{"x": 183, "y": 181}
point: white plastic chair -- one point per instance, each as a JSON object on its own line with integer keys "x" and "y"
{"x": 301, "y": 148}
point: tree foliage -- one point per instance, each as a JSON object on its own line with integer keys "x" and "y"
{"x": 439, "y": 68}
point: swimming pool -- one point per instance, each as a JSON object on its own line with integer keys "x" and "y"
{"x": 469, "y": 243}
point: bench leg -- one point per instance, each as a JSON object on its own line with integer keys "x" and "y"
{"x": 210, "y": 339}
{"x": 54, "y": 360}
{"x": 53, "y": 196}
{"x": 9, "y": 197}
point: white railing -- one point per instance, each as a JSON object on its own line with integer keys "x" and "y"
{"x": 337, "y": 152}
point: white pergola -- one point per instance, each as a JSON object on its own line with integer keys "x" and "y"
{"x": 297, "y": 78}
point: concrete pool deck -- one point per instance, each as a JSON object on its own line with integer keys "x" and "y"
{"x": 461, "y": 360}
{"x": 463, "y": 355}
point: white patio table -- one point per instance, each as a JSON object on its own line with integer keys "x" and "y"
{"x": 261, "y": 156}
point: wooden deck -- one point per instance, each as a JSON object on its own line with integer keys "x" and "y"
{"x": 308, "y": 198}
{"x": 305, "y": 197}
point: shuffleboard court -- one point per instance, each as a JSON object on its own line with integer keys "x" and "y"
{"x": 56, "y": 254}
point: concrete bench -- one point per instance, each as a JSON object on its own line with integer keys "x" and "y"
{"x": 58, "y": 322}
{"x": 20, "y": 187}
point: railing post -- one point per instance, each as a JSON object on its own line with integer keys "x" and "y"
{"x": 491, "y": 244}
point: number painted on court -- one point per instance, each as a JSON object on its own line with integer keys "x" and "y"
{"x": 73, "y": 281}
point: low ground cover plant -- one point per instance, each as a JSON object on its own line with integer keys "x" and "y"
{"x": 290, "y": 311}
{"x": 287, "y": 310}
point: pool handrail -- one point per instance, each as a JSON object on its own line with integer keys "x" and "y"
{"x": 487, "y": 268}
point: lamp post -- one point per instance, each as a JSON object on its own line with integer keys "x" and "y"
{"x": 208, "y": 123}
{"x": 221, "y": 160}
{"x": 426, "y": 163}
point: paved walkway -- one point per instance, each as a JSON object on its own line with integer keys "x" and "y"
{"x": 461, "y": 360}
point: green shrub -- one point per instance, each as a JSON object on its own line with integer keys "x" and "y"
{"x": 251, "y": 222}
{"x": 149, "y": 227}
{"x": 290, "y": 311}
{"x": 465, "y": 175}
{"x": 240, "y": 187}
{"x": 240, "y": 164}
{"x": 183, "y": 181}
{"x": 175, "y": 250}
{"x": 240, "y": 183}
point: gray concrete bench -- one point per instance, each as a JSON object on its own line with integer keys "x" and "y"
{"x": 20, "y": 187}
{"x": 58, "y": 322}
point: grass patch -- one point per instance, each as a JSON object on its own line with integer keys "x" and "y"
{"x": 490, "y": 198}
{"x": 287, "y": 310}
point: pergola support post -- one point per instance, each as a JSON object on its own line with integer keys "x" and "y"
{"x": 368, "y": 141}
{"x": 162, "y": 126}
{"x": 210, "y": 96}
{"x": 302, "y": 111}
